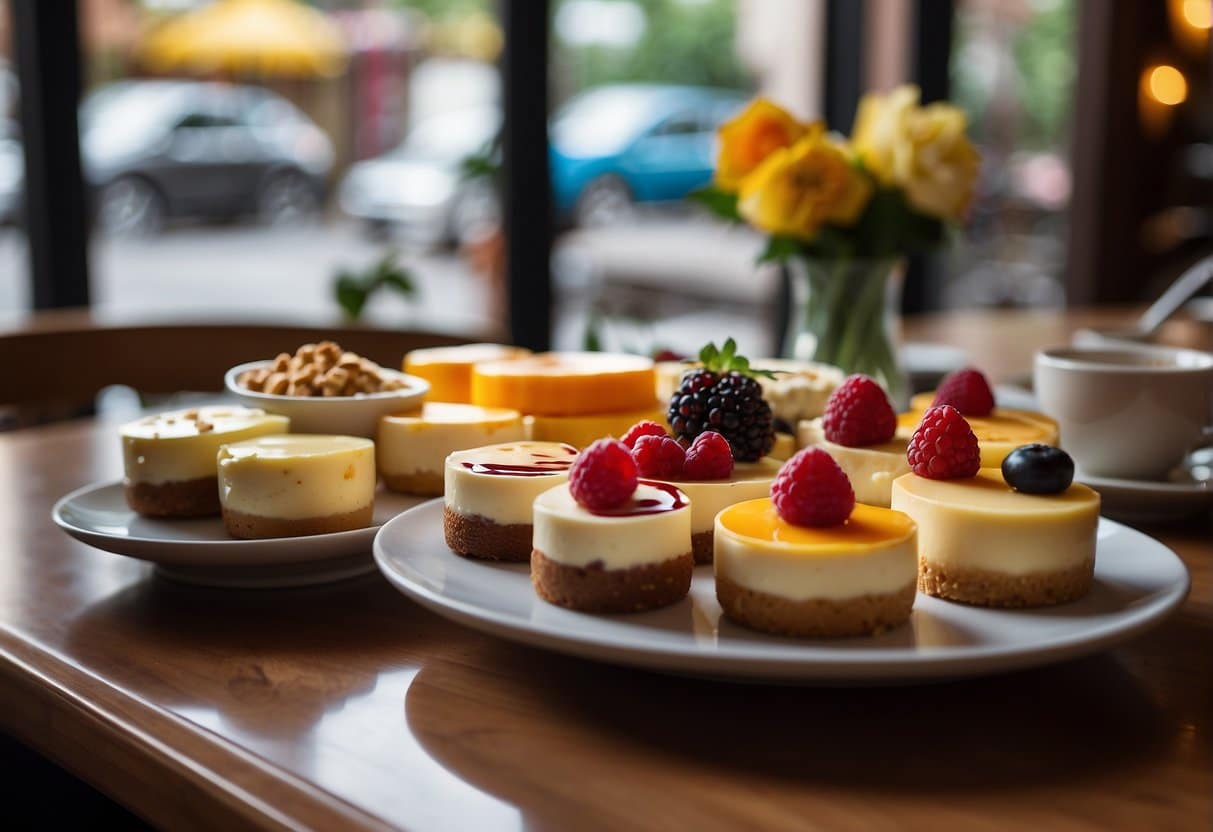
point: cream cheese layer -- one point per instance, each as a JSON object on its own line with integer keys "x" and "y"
{"x": 873, "y": 553}
{"x": 181, "y": 445}
{"x": 568, "y": 533}
{"x": 420, "y": 442}
{"x": 981, "y": 523}
{"x": 297, "y": 475}
{"x": 500, "y": 482}
{"x": 750, "y": 480}
{"x": 871, "y": 469}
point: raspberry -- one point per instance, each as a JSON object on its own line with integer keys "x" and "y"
{"x": 603, "y": 476}
{"x": 811, "y": 490}
{"x": 708, "y": 458}
{"x": 966, "y": 390}
{"x": 658, "y": 457}
{"x": 943, "y": 446}
{"x": 640, "y": 429}
{"x": 858, "y": 413}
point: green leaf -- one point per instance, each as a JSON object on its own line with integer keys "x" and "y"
{"x": 780, "y": 249}
{"x": 718, "y": 202}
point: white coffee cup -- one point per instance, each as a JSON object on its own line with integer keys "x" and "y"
{"x": 1130, "y": 412}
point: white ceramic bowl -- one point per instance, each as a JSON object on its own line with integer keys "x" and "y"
{"x": 347, "y": 415}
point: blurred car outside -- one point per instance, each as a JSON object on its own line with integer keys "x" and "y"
{"x": 612, "y": 147}
{"x": 155, "y": 150}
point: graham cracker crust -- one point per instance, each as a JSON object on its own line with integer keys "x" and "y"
{"x": 594, "y": 589}
{"x": 184, "y": 498}
{"x": 419, "y": 483}
{"x": 474, "y": 536}
{"x": 702, "y": 546}
{"x": 255, "y": 527}
{"x": 983, "y": 588}
{"x": 862, "y": 616}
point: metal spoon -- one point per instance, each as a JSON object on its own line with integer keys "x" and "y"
{"x": 1177, "y": 294}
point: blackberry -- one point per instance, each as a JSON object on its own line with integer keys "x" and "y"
{"x": 723, "y": 396}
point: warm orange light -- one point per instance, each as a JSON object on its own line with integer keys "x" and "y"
{"x": 1198, "y": 13}
{"x": 1165, "y": 84}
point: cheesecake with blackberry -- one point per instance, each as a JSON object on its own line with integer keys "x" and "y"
{"x": 169, "y": 460}
{"x": 608, "y": 541}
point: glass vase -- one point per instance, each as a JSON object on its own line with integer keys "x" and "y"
{"x": 847, "y": 312}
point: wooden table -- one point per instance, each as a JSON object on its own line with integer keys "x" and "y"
{"x": 350, "y": 707}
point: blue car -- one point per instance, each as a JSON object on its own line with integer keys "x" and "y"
{"x": 619, "y": 145}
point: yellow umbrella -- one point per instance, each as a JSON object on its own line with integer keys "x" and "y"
{"x": 247, "y": 37}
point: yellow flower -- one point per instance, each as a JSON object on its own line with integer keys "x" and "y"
{"x": 751, "y": 136}
{"x": 798, "y": 188}
{"x": 922, "y": 150}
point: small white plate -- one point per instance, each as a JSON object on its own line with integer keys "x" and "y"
{"x": 201, "y": 551}
{"x": 1138, "y": 582}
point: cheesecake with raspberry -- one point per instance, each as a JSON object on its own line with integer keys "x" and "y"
{"x": 999, "y": 430}
{"x": 858, "y": 429}
{"x": 296, "y": 484}
{"x": 488, "y": 495}
{"x": 411, "y": 448}
{"x": 705, "y": 472}
{"x": 169, "y": 460}
{"x": 608, "y": 541}
{"x": 810, "y": 561}
{"x": 1022, "y": 540}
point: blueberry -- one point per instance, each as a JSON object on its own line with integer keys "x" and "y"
{"x": 1038, "y": 469}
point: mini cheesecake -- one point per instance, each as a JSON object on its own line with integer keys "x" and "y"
{"x": 169, "y": 459}
{"x": 999, "y": 433}
{"x": 799, "y": 390}
{"x": 296, "y": 484}
{"x": 749, "y": 481}
{"x": 857, "y": 578}
{"x": 580, "y": 431}
{"x": 449, "y": 369}
{"x": 489, "y": 492}
{"x": 870, "y": 468}
{"x": 981, "y": 542}
{"x": 631, "y": 558}
{"x": 567, "y": 384}
{"x": 411, "y": 448}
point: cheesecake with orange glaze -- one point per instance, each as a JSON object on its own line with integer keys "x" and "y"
{"x": 1001, "y": 431}
{"x": 449, "y": 369}
{"x": 982, "y": 542}
{"x": 857, "y": 578}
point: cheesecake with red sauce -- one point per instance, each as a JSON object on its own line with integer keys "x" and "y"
{"x": 627, "y": 558}
{"x": 488, "y": 493}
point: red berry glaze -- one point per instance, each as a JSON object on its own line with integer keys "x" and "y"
{"x": 659, "y": 457}
{"x": 708, "y": 458}
{"x": 640, "y": 429}
{"x": 966, "y": 390}
{"x": 603, "y": 476}
{"x": 858, "y": 413}
{"x": 943, "y": 446}
{"x": 811, "y": 490}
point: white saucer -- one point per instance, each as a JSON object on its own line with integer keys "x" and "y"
{"x": 200, "y": 550}
{"x": 1188, "y": 492}
{"x": 1138, "y": 582}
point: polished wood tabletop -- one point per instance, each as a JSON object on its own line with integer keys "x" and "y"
{"x": 348, "y": 706}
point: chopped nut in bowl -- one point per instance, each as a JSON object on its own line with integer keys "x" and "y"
{"x": 325, "y": 389}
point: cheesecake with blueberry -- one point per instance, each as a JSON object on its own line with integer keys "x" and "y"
{"x": 811, "y": 561}
{"x": 1020, "y": 536}
{"x": 608, "y": 541}
{"x": 706, "y": 472}
{"x": 999, "y": 430}
{"x": 858, "y": 429}
{"x": 488, "y": 495}
{"x": 169, "y": 460}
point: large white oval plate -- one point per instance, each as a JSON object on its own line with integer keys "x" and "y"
{"x": 1138, "y": 582}
{"x": 201, "y": 551}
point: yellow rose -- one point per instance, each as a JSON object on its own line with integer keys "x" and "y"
{"x": 754, "y": 134}
{"x": 922, "y": 150}
{"x": 798, "y": 188}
